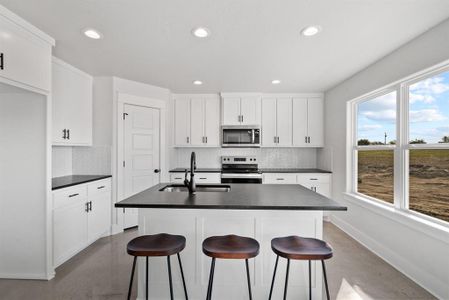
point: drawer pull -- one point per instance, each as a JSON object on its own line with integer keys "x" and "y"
{"x": 73, "y": 195}
{"x": 313, "y": 178}
{"x": 101, "y": 187}
{"x": 280, "y": 178}
{"x": 203, "y": 178}
{"x": 178, "y": 178}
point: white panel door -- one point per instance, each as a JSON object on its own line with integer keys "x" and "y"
{"x": 284, "y": 121}
{"x": 269, "y": 122}
{"x": 99, "y": 217}
{"x": 141, "y": 152}
{"x": 250, "y": 110}
{"x": 231, "y": 111}
{"x": 299, "y": 122}
{"x": 315, "y": 122}
{"x": 196, "y": 122}
{"x": 212, "y": 122}
{"x": 182, "y": 122}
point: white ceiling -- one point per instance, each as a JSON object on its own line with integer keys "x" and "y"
{"x": 252, "y": 42}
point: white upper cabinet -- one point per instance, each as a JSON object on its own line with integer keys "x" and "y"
{"x": 182, "y": 122}
{"x": 25, "y": 52}
{"x": 308, "y": 122}
{"x": 277, "y": 122}
{"x": 197, "y": 121}
{"x": 241, "y": 109}
{"x": 72, "y": 105}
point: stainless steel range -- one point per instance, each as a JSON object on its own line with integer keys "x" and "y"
{"x": 240, "y": 169}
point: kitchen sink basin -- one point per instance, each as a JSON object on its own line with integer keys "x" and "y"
{"x": 199, "y": 188}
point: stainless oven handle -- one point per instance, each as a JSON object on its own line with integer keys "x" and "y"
{"x": 241, "y": 175}
{"x": 253, "y": 136}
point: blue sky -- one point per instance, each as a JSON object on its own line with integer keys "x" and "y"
{"x": 429, "y": 112}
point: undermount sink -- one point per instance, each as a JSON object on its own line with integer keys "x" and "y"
{"x": 199, "y": 188}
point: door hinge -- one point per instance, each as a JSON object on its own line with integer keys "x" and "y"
{"x": 124, "y": 115}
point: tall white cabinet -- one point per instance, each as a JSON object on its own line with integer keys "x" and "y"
{"x": 240, "y": 109}
{"x": 308, "y": 122}
{"x": 196, "y": 121}
{"x": 72, "y": 105}
{"x": 277, "y": 122}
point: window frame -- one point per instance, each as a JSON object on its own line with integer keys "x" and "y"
{"x": 401, "y": 148}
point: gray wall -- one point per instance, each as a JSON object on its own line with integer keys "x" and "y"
{"x": 395, "y": 241}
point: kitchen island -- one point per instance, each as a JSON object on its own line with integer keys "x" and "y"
{"x": 261, "y": 211}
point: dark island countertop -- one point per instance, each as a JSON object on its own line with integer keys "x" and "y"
{"x": 197, "y": 170}
{"x": 241, "y": 196}
{"x": 71, "y": 180}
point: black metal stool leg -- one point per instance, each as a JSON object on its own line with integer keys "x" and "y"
{"x": 132, "y": 277}
{"x": 325, "y": 280}
{"x": 169, "y": 277}
{"x": 146, "y": 279}
{"x": 274, "y": 276}
{"x": 286, "y": 279}
{"x": 182, "y": 276}
{"x": 310, "y": 280}
{"x": 211, "y": 279}
{"x": 249, "y": 280}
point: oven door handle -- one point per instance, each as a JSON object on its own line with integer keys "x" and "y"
{"x": 234, "y": 175}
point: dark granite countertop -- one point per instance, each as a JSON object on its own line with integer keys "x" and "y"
{"x": 241, "y": 196}
{"x": 198, "y": 170}
{"x": 71, "y": 180}
{"x": 285, "y": 170}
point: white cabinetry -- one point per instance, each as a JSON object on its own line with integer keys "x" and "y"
{"x": 25, "y": 53}
{"x": 317, "y": 182}
{"x": 197, "y": 121}
{"x": 240, "y": 109}
{"x": 277, "y": 122}
{"x": 81, "y": 214}
{"x": 199, "y": 177}
{"x": 72, "y": 105}
{"x": 308, "y": 122}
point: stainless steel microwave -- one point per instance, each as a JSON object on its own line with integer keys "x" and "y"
{"x": 233, "y": 136}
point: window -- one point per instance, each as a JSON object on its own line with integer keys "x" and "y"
{"x": 400, "y": 145}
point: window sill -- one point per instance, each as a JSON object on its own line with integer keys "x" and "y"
{"x": 404, "y": 217}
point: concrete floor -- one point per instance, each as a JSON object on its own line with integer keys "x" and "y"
{"x": 102, "y": 272}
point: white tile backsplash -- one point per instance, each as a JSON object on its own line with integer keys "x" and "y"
{"x": 61, "y": 161}
{"x": 267, "y": 157}
{"x": 94, "y": 160}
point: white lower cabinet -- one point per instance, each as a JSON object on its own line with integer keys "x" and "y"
{"x": 199, "y": 177}
{"x": 81, "y": 215}
{"x": 317, "y": 182}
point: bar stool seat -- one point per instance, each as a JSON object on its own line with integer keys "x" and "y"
{"x": 300, "y": 248}
{"x": 231, "y": 247}
{"x": 161, "y": 244}
{"x": 295, "y": 247}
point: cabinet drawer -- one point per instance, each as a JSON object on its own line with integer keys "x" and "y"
{"x": 69, "y": 195}
{"x": 311, "y": 178}
{"x": 177, "y": 177}
{"x": 279, "y": 178}
{"x": 208, "y": 177}
{"x": 100, "y": 186}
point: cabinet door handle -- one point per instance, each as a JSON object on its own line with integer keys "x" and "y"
{"x": 305, "y": 139}
{"x": 206, "y": 139}
{"x": 274, "y": 138}
{"x": 90, "y": 205}
{"x": 309, "y": 139}
{"x": 68, "y": 134}
{"x": 242, "y": 118}
{"x": 87, "y": 207}
{"x": 2, "y": 61}
{"x": 188, "y": 140}
{"x": 278, "y": 140}
{"x": 64, "y": 134}
{"x": 73, "y": 195}
{"x": 100, "y": 187}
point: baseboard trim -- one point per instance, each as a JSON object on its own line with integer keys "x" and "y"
{"x": 393, "y": 259}
{"x": 25, "y": 276}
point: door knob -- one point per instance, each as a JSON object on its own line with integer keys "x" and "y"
{"x": 157, "y": 170}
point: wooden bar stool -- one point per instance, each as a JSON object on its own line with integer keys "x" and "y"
{"x": 229, "y": 247}
{"x": 299, "y": 248}
{"x": 162, "y": 244}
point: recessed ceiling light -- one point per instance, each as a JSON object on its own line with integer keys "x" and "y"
{"x": 197, "y": 82}
{"x": 311, "y": 30}
{"x": 93, "y": 34}
{"x": 201, "y": 32}
{"x": 276, "y": 81}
